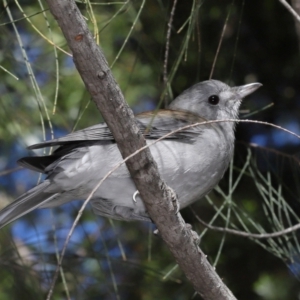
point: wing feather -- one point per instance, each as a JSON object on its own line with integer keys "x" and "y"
{"x": 153, "y": 125}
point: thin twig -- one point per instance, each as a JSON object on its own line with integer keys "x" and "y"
{"x": 168, "y": 43}
{"x": 5, "y": 172}
{"x": 219, "y": 45}
{"x": 247, "y": 234}
{"x": 290, "y": 9}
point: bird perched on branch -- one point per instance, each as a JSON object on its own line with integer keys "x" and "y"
{"x": 191, "y": 161}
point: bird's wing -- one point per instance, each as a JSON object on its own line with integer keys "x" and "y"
{"x": 155, "y": 125}
{"x": 99, "y": 132}
{"x": 152, "y": 124}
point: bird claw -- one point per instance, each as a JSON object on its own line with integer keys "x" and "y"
{"x": 175, "y": 202}
{"x": 195, "y": 236}
{"x": 176, "y": 206}
{"x": 134, "y": 195}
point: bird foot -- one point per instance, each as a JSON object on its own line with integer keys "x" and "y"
{"x": 136, "y": 193}
{"x": 195, "y": 235}
{"x": 175, "y": 201}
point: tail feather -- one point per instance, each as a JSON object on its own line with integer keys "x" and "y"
{"x": 27, "y": 202}
{"x": 37, "y": 163}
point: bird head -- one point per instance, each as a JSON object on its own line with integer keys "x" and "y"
{"x": 213, "y": 99}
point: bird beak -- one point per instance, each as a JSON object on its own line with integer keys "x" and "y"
{"x": 247, "y": 89}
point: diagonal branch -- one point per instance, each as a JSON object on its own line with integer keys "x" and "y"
{"x": 106, "y": 94}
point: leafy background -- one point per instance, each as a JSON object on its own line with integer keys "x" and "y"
{"x": 117, "y": 260}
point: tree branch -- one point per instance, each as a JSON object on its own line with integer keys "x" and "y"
{"x": 157, "y": 197}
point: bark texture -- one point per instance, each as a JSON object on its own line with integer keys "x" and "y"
{"x": 157, "y": 196}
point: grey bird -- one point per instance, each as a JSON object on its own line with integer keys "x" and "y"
{"x": 191, "y": 161}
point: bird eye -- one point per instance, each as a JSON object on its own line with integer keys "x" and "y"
{"x": 214, "y": 99}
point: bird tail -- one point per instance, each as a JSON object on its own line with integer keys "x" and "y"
{"x": 24, "y": 204}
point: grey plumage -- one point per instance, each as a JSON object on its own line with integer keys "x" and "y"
{"x": 191, "y": 161}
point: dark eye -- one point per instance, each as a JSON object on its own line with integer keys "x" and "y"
{"x": 214, "y": 99}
